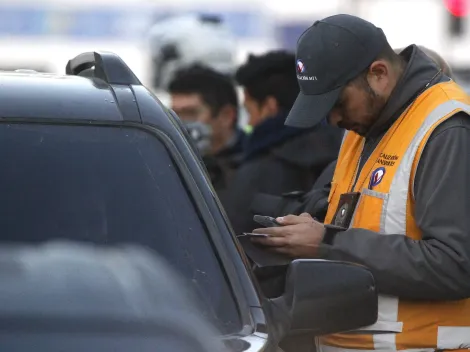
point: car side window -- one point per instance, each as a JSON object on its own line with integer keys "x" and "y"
{"x": 108, "y": 185}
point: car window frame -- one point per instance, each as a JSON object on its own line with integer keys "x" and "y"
{"x": 197, "y": 156}
{"x": 201, "y": 207}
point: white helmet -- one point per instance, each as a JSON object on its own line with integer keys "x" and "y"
{"x": 182, "y": 41}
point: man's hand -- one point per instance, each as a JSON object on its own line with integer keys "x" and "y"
{"x": 298, "y": 237}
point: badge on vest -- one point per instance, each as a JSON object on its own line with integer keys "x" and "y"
{"x": 346, "y": 206}
{"x": 377, "y": 177}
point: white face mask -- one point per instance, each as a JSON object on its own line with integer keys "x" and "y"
{"x": 201, "y": 133}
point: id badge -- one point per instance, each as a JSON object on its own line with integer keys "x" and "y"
{"x": 346, "y": 206}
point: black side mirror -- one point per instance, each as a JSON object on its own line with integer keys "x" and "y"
{"x": 324, "y": 297}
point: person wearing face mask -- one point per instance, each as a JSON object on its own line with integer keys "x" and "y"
{"x": 399, "y": 200}
{"x": 207, "y": 103}
{"x": 277, "y": 159}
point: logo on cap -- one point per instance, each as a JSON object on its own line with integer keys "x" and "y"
{"x": 300, "y": 66}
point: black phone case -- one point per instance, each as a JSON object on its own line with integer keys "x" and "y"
{"x": 345, "y": 211}
{"x": 261, "y": 256}
{"x": 266, "y": 221}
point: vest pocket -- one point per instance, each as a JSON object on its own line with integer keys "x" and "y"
{"x": 369, "y": 212}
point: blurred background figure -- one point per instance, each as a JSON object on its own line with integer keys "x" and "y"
{"x": 43, "y": 34}
{"x": 276, "y": 158}
{"x": 64, "y": 296}
{"x": 181, "y": 41}
{"x": 438, "y": 59}
{"x": 207, "y": 102}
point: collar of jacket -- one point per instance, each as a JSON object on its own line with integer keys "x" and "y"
{"x": 419, "y": 71}
{"x": 232, "y": 154}
{"x": 234, "y": 145}
{"x": 268, "y": 134}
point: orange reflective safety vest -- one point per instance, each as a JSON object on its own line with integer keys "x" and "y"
{"x": 386, "y": 206}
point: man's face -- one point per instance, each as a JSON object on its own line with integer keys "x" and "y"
{"x": 357, "y": 109}
{"x": 191, "y": 108}
{"x": 257, "y": 112}
{"x": 362, "y": 100}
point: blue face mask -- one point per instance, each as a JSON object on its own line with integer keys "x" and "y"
{"x": 201, "y": 134}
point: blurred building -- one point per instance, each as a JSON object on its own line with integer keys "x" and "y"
{"x": 44, "y": 34}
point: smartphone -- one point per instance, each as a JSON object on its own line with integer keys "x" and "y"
{"x": 266, "y": 221}
{"x": 249, "y": 234}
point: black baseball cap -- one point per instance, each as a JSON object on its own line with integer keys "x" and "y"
{"x": 331, "y": 53}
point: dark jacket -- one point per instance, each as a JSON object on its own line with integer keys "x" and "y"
{"x": 221, "y": 167}
{"x": 314, "y": 202}
{"x": 438, "y": 266}
{"x": 278, "y": 159}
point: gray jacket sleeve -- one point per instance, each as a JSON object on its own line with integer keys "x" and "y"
{"x": 438, "y": 266}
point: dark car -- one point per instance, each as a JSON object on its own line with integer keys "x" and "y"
{"x": 93, "y": 156}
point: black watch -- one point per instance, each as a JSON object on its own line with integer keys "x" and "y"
{"x": 330, "y": 233}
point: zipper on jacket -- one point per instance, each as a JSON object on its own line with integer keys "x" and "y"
{"x": 369, "y": 144}
{"x": 356, "y": 172}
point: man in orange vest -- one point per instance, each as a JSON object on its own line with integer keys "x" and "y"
{"x": 400, "y": 200}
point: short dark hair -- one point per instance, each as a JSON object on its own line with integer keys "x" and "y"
{"x": 271, "y": 74}
{"x": 216, "y": 89}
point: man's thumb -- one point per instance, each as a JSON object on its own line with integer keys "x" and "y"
{"x": 293, "y": 219}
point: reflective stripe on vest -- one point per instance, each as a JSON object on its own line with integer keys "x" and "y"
{"x": 395, "y": 207}
{"x": 345, "y": 133}
{"x": 393, "y": 220}
{"x": 394, "y": 214}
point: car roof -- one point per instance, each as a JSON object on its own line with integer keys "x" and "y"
{"x": 96, "y": 86}
{"x": 52, "y": 96}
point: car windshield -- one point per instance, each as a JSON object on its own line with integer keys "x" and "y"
{"x": 108, "y": 185}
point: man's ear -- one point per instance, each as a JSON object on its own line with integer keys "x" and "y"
{"x": 227, "y": 116}
{"x": 379, "y": 76}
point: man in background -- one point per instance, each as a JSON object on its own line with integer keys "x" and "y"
{"x": 276, "y": 158}
{"x": 207, "y": 103}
